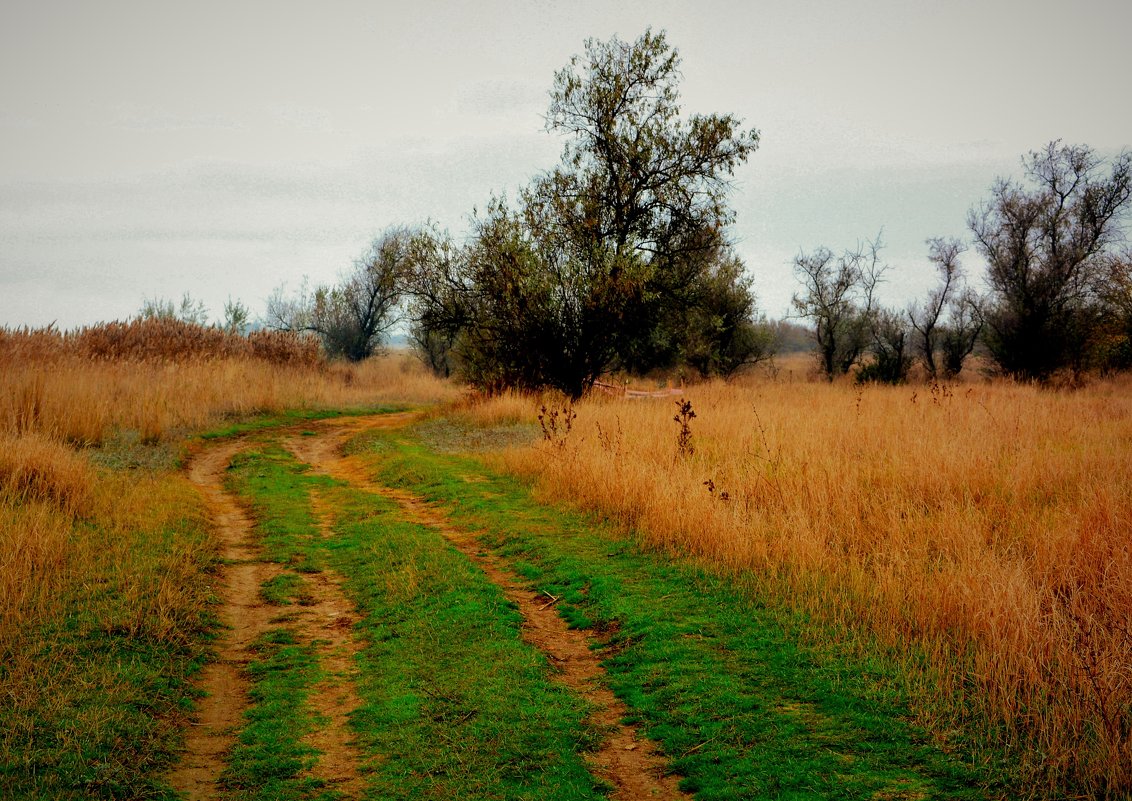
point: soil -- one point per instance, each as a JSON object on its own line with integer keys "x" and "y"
{"x": 327, "y": 619}
{"x": 245, "y": 617}
{"x": 324, "y": 617}
{"x": 630, "y": 763}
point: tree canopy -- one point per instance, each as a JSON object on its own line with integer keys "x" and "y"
{"x": 603, "y": 257}
{"x": 1049, "y": 246}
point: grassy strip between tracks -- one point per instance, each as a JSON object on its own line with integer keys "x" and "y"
{"x": 714, "y": 675}
{"x": 454, "y": 704}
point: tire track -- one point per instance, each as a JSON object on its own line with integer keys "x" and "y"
{"x": 323, "y": 618}
{"x": 245, "y": 617}
{"x": 326, "y": 620}
{"x": 629, "y": 762}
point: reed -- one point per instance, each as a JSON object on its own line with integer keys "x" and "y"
{"x": 984, "y": 525}
{"x": 163, "y": 378}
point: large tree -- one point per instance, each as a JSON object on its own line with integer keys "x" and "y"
{"x": 581, "y": 275}
{"x": 1048, "y": 243}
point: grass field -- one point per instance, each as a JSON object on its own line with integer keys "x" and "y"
{"x": 984, "y": 526}
{"x": 821, "y": 591}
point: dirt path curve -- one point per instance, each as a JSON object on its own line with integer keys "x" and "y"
{"x": 245, "y": 618}
{"x": 627, "y": 760}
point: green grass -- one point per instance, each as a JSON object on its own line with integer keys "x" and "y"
{"x": 269, "y": 760}
{"x": 713, "y": 673}
{"x": 94, "y": 694}
{"x": 454, "y": 703}
{"x": 265, "y": 422}
{"x": 278, "y": 489}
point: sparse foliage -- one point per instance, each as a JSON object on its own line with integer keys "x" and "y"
{"x": 237, "y": 318}
{"x": 927, "y": 318}
{"x": 1047, "y": 242}
{"x": 437, "y": 291}
{"x": 959, "y": 335}
{"x": 839, "y": 297}
{"x": 189, "y": 310}
{"x": 352, "y": 317}
{"x": 946, "y": 326}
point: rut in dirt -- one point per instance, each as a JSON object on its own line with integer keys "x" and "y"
{"x": 325, "y": 619}
{"x": 244, "y": 618}
{"x": 626, "y": 760}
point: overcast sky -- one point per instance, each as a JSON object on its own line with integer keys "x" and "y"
{"x": 226, "y": 148}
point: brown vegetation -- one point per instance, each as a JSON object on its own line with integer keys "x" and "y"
{"x": 980, "y": 528}
{"x": 160, "y": 377}
{"x": 97, "y": 552}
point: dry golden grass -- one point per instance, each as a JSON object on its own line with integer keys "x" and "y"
{"x": 987, "y": 524}
{"x": 34, "y": 467}
{"x": 155, "y": 339}
{"x": 65, "y": 523}
{"x": 52, "y": 545}
{"x": 83, "y": 401}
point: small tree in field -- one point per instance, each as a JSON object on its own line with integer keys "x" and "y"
{"x": 839, "y": 297}
{"x": 959, "y": 335}
{"x": 927, "y": 318}
{"x": 237, "y": 318}
{"x": 946, "y": 325}
{"x": 189, "y": 310}
{"x": 352, "y": 317}
{"x": 889, "y": 346}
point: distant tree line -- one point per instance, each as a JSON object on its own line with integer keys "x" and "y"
{"x": 618, "y": 259}
{"x": 1059, "y": 284}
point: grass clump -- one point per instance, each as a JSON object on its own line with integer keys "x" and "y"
{"x": 102, "y": 623}
{"x": 270, "y": 760}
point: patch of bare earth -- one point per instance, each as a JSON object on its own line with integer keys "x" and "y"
{"x": 245, "y": 617}
{"x": 629, "y": 762}
{"x": 324, "y": 617}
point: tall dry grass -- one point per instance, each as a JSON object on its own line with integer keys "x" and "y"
{"x": 155, "y": 339}
{"x": 987, "y": 525}
{"x": 70, "y": 532}
{"x": 161, "y": 377}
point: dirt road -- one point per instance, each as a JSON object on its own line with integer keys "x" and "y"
{"x": 325, "y": 619}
